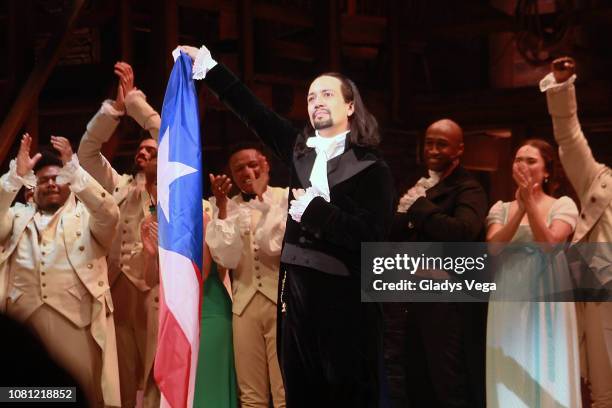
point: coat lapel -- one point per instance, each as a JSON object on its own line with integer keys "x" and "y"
{"x": 345, "y": 166}
{"x": 303, "y": 166}
{"x": 444, "y": 186}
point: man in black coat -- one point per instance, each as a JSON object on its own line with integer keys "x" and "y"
{"x": 330, "y": 343}
{"x": 445, "y": 341}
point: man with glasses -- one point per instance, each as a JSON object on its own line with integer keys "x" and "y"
{"x": 53, "y": 274}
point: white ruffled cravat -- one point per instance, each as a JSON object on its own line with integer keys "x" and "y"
{"x": 326, "y": 148}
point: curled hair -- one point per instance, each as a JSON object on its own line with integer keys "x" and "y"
{"x": 362, "y": 124}
{"x": 551, "y": 164}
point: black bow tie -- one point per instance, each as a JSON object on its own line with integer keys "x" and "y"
{"x": 246, "y": 197}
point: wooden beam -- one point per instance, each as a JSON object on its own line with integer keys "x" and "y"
{"x": 28, "y": 95}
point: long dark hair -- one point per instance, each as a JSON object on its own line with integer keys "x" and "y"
{"x": 363, "y": 125}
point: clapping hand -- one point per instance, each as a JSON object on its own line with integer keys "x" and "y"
{"x": 25, "y": 163}
{"x": 62, "y": 145}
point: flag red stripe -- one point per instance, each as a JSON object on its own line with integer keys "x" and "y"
{"x": 173, "y": 358}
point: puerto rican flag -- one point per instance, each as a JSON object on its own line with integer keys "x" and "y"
{"x": 179, "y": 187}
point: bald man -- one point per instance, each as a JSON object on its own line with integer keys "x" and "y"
{"x": 445, "y": 350}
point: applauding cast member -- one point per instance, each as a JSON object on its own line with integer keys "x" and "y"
{"x": 125, "y": 261}
{"x": 246, "y": 236}
{"x": 532, "y": 348}
{"x": 53, "y": 274}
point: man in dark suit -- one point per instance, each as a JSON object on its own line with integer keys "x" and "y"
{"x": 445, "y": 341}
{"x": 330, "y": 343}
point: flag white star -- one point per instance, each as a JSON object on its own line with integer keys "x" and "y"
{"x": 167, "y": 173}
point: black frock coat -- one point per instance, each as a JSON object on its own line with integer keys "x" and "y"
{"x": 330, "y": 343}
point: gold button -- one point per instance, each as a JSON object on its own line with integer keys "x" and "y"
{"x": 103, "y": 194}
{"x": 100, "y": 283}
{"x": 89, "y": 266}
{"x": 43, "y": 273}
{"x": 78, "y": 233}
{"x": 42, "y": 262}
{"x": 77, "y": 215}
{"x": 257, "y": 258}
{"x": 604, "y": 185}
{"x": 81, "y": 248}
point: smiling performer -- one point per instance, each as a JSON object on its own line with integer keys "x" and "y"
{"x": 342, "y": 195}
{"x": 445, "y": 362}
{"x": 125, "y": 260}
{"x": 53, "y": 275}
{"x": 246, "y": 235}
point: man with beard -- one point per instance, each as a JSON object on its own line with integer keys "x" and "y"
{"x": 330, "y": 343}
{"x": 445, "y": 350}
{"x": 53, "y": 273}
{"x": 126, "y": 273}
{"x": 246, "y": 235}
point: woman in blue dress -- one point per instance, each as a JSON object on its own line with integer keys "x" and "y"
{"x": 532, "y": 346}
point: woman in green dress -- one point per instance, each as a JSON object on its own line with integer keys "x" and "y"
{"x": 216, "y": 376}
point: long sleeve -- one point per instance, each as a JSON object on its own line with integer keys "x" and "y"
{"x": 223, "y": 237}
{"x": 367, "y": 219}
{"x": 103, "y": 211}
{"x": 7, "y": 195}
{"x": 276, "y": 132}
{"x": 270, "y": 232}
{"x": 464, "y": 224}
{"x": 576, "y": 157}
{"x": 99, "y": 130}
{"x": 137, "y": 108}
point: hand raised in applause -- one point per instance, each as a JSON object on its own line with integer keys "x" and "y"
{"x": 25, "y": 163}
{"x": 126, "y": 83}
{"x": 221, "y": 186}
{"x": 62, "y": 145}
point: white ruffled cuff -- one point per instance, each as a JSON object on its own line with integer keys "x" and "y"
{"x": 299, "y": 205}
{"x": 73, "y": 174}
{"x": 203, "y": 63}
{"x": 108, "y": 109}
{"x": 13, "y": 182}
{"x": 409, "y": 198}
{"x": 548, "y": 83}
